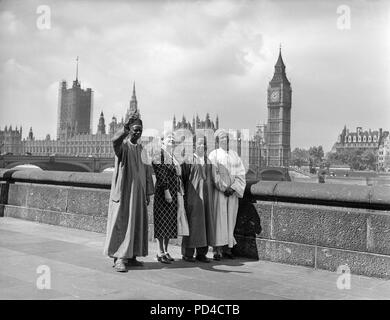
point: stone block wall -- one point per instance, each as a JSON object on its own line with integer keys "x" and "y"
{"x": 319, "y": 236}
{"x": 313, "y": 225}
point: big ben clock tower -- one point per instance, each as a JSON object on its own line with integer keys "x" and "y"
{"x": 279, "y": 117}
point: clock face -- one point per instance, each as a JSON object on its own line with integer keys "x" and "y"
{"x": 275, "y": 96}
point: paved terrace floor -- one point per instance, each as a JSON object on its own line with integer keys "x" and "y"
{"x": 80, "y": 271}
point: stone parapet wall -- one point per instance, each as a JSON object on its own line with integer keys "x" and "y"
{"x": 69, "y": 199}
{"x": 314, "y": 225}
{"x": 349, "y": 225}
{"x": 354, "y": 196}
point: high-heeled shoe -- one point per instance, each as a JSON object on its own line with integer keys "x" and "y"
{"x": 163, "y": 259}
{"x": 169, "y": 257}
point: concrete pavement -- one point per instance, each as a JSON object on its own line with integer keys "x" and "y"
{"x": 70, "y": 261}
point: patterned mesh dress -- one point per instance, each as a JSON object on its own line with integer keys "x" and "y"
{"x": 164, "y": 213}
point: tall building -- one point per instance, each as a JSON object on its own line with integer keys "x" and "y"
{"x": 205, "y": 127}
{"x": 384, "y": 154}
{"x": 74, "y": 109}
{"x": 279, "y": 117}
{"x": 257, "y": 148}
{"x": 85, "y": 144}
{"x": 196, "y": 124}
{"x": 248, "y": 149}
{"x": 11, "y": 140}
{"x": 360, "y": 139}
{"x": 376, "y": 141}
{"x": 133, "y": 104}
{"x": 30, "y": 136}
{"x": 101, "y": 129}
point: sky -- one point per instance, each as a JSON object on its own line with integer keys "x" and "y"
{"x": 194, "y": 57}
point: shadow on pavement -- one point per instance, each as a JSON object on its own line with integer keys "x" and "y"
{"x": 180, "y": 264}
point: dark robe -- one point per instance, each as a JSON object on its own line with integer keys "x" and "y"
{"x": 210, "y": 213}
{"x": 127, "y": 221}
{"x": 197, "y": 204}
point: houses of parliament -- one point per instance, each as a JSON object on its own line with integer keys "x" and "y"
{"x": 269, "y": 146}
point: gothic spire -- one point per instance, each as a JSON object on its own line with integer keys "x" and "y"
{"x": 280, "y": 69}
{"x": 133, "y": 96}
{"x": 101, "y": 129}
{"x": 280, "y": 62}
{"x": 31, "y": 134}
{"x": 77, "y": 68}
{"x": 133, "y": 104}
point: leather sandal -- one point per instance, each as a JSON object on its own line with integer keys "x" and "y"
{"x": 120, "y": 266}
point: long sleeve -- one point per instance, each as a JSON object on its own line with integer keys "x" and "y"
{"x": 239, "y": 185}
{"x": 238, "y": 172}
{"x": 216, "y": 173}
{"x": 117, "y": 141}
{"x": 149, "y": 180}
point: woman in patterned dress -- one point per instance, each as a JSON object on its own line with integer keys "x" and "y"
{"x": 168, "y": 179}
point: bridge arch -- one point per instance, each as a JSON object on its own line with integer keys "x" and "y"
{"x": 106, "y": 166}
{"x": 52, "y": 166}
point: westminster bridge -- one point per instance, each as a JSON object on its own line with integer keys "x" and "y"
{"x": 58, "y": 162}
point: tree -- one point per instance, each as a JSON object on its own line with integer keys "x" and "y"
{"x": 299, "y": 157}
{"x": 368, "y": 160}
{"x": 357, "y": 159}
{"x": 316, "y": 154}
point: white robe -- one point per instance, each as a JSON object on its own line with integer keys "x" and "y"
{"x": 227, "y": 171}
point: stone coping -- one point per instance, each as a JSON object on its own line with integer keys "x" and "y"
{"x": 68, "y": 178}
{"x": 369, "y": 197}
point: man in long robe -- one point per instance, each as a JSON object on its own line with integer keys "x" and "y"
{"x": 131, "y": 187}
{"x": 228, "y": 175}
{"x": 198, "y": 208}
